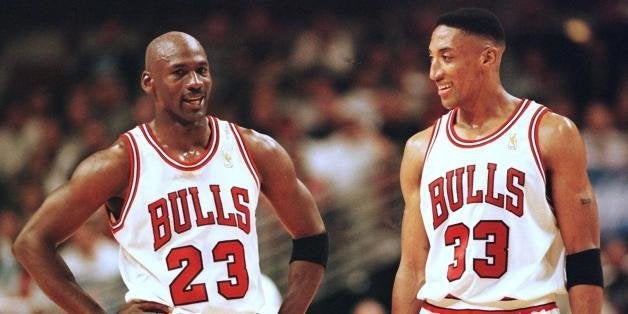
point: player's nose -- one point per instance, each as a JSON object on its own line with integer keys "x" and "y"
{"x": 436, "y": 73}
{"x": 195, "y": 81}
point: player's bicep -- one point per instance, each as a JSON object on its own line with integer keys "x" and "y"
{"x": 414, "y": 241}
{"x": 290, "y": 198}
{"x": 572, "y": 194}
{"x": 296, "y": 210}
{"x": 96, "y": 179}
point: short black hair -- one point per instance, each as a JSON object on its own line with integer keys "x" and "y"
{"x": 475, "y": 20}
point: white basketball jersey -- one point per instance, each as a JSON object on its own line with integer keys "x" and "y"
{"x": 493, "y": 235}
{"x": 187, "y": 232}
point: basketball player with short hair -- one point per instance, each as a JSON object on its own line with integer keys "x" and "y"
{"x": 181, "y": 191}
{"x": 498, "y": 204}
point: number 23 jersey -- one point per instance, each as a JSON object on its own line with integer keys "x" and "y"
{"x": 493, "y": 235}
{"x": 187, "y": 231}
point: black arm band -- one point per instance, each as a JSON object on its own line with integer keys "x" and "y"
{"x": 584, "y": 268}
{"x": 313, "y": 249}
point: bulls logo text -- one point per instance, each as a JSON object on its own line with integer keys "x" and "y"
{"x": 172, "y": 213}
{"x": 456, "y": 188}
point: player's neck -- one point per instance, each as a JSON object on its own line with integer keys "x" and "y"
{"x": 182, "y": 140}
{"x": 487, "y": 112}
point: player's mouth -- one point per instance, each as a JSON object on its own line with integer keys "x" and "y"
{"x": 194, "y": 103}
{"x": 443, "y": 88}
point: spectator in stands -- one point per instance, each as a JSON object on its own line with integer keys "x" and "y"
{"x": 369, "y": 306}
{"x": 616, "y": 273}
{"x": 325, "y": 43}
{"x": 607, "y": 146}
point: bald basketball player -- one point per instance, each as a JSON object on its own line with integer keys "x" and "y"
{"x": 181, "y": 192}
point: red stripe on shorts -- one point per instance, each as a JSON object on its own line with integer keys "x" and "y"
{"x": 527, "y": 310}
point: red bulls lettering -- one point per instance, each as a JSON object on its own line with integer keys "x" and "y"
{"x": 161, "y": 224}
{"x": 439, "y": 204}
{"x": 181, "y": 217}
{"x": 475, "y": 196}
{"x": 202, "y": 218}
{"x": 515, "y": 205}
{"x": 458, "y": 193}
{"x": 240, "y": 195}
{"x": 172, "y": 213}
{"x": 222, "y": 220}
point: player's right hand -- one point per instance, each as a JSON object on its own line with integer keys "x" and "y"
{"x": 140, "y": 306}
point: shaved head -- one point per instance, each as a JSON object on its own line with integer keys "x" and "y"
{"x": 177, "y": 77}
{"x": 167, "y": 45}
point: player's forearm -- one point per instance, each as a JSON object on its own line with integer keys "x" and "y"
{"x": 53, "y": 275}
{"x": 584, "y": 299}
{"x": 408, "y": 281}
{"x": 304, "y": 278}
{"x": 404, "y": 298}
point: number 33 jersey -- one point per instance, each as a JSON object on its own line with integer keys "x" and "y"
{"x": 493, "y": 235}
{"x": 187, "y": 231}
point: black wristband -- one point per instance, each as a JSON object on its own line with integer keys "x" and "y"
{"x": 313, "y": 249}
{"x": 584, "y": 268}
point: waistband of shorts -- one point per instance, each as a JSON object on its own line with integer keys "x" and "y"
{"x": 454, "y": 305}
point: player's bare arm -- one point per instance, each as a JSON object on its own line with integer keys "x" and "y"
{"x": 98, "y": 178}
{"x": 296, "y": 209}
{"x": 140, "y": 306}
{"x": 573, "y": 198}
{"x": 414, "y": 243}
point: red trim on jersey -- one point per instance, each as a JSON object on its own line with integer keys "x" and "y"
{"x": 430, "y": 144}
{"x": 210, "y": 149}
{"x": 451, "y": 296}
{"x": 460, "y": 142}
{"x": 533, "y": 136}
{"x": 528, "y": 310}
{"x": 245, "y": 153}
{"x": 134, "y": 177}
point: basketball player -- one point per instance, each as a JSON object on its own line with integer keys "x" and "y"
{"x": 497, "y": 199}
{"x": 181, "y": 191}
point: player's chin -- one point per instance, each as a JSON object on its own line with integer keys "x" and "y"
{"x": 193, "y": 117}
{"x": 198, "y": 115}
{"x": 448, "y": 103}
{"x": 198, "y": 111}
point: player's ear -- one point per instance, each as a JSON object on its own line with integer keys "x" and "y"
{"x": 146, "y": 82}
{"x": 489, "y": 55}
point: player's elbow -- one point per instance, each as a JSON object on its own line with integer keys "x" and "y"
{"x": 23, "y": 246}
{"x": 19, "y": 247}
{"x": 410, "y": 273}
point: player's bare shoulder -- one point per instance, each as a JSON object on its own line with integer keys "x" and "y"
{"x": 111, "y": 158}
{"x": 259, "y": 142}
{"x": 417, "y": 145}
{"x": 269, "y": 157}
{"x": 109, "y": 168}
{"x": 558, "y": 135}
{"x": 556, "y": 124}
{"x": 413, "y": 160}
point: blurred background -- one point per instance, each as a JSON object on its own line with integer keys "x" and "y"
{"x": 340, "y": 84}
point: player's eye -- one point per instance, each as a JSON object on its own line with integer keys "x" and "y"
{"x": 178, "y": 72}
{"x": 202, "y": 71}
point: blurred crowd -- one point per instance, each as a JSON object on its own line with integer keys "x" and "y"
{"x": 340, "y": 86}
